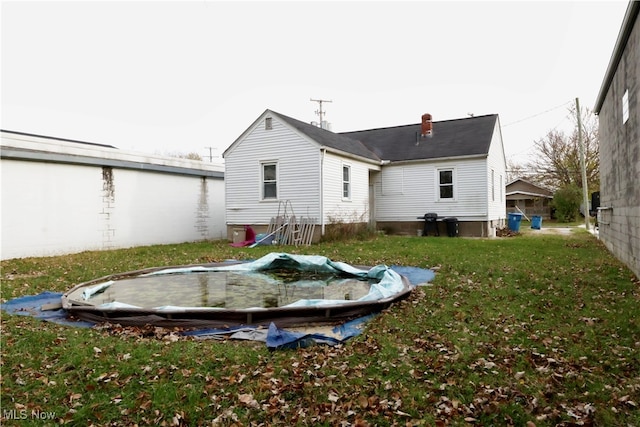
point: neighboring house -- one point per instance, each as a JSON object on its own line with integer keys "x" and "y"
{"x": 385, "y": 177}
{"x": 619, "y": 130}
{"x": 528, "y": 198}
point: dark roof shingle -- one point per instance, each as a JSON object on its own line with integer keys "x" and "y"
{"x": 450, "y": 138}
{"x": 329, "y": 139}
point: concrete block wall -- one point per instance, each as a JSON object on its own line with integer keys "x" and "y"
{"x": 619, "y": 132}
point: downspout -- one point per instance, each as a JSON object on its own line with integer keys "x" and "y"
{"x": 323, "y": 151}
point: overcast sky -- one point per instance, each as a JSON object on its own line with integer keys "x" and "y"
{"x": 178, "y": 77}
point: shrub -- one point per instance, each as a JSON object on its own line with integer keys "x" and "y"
{"x": 346, "y": 227}
{"x": 566, "y": 202}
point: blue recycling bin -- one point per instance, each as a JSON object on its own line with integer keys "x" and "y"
{"x": 536, "y": 222}
{"x": 514, "y": 221}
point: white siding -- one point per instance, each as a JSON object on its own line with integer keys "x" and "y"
{"x": 356, "y": 209}
{"x": 392, "y": 182}
{"x": 404, "y": 192}
{"x": 419, "y": 193}
{"x": 298, "y": 174}
{"x": 496, "y": 162}
{"x": 312, "y": 180}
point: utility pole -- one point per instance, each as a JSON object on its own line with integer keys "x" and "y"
{"x": 210, "y": 154}
{"x": 585, "y": 197}
{"x": 319, "y": 110}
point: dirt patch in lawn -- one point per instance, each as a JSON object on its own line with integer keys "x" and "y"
{"x": 552, "y": 230}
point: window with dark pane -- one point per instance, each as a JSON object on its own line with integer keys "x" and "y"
{"x": 269, "y": 181}
{"x": 346, "y": 182}
{"x": 446, "y": 184}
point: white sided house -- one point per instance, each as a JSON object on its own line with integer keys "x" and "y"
{"x": 385, "y": 177}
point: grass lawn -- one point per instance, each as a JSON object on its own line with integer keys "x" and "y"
{"x": 532, "y": 330}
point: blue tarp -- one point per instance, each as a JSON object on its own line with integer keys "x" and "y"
{"x": 280, "y": 339}
{"x": 417, "y": 276}
{"x": 31, "y": 305}
{"x": 274, "y": 337}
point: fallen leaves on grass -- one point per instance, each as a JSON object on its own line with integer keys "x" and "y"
{"x": 551, "y": 343}
{"x": 141, "y": 332}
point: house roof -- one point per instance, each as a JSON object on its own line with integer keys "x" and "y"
{"x": 524, "y": 187}
{"x": 629, "y": 20}
{"x": 57, "y": 139}
{"x": 450, "y": 138}
{"x": 525, "y": 181}
{"x": 527, "y": 193}
{"x": 329, "y": 139}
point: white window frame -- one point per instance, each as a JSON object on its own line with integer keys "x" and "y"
{"x": 452, "y": 184}
{"x": 268, "y": 123}
{"x": 346, "y": 184}
{"x": 264, "y": 181}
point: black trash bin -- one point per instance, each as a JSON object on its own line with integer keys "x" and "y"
{"x": 452, "y": 226}
{"x": 430, "y": 224}
{"x": 595, "y": 203}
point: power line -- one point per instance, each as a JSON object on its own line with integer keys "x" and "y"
{"x": 536, "y": 115}
{"x": 211, "y": 153}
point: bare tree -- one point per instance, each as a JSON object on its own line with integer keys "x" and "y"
{"x": 558, "y": 161}
{"x": 520, "y": 171}
{"x": 188, "y": 156}
{"x": 515, "y": 171}
{"x": 192, "y": 156}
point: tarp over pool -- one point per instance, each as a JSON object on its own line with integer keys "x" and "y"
{"x": 387, "y": 287}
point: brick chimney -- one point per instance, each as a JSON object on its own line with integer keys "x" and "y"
{"x": 427, "y": 126}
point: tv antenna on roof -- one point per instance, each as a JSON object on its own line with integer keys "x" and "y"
{"x": 319, "y": 111}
